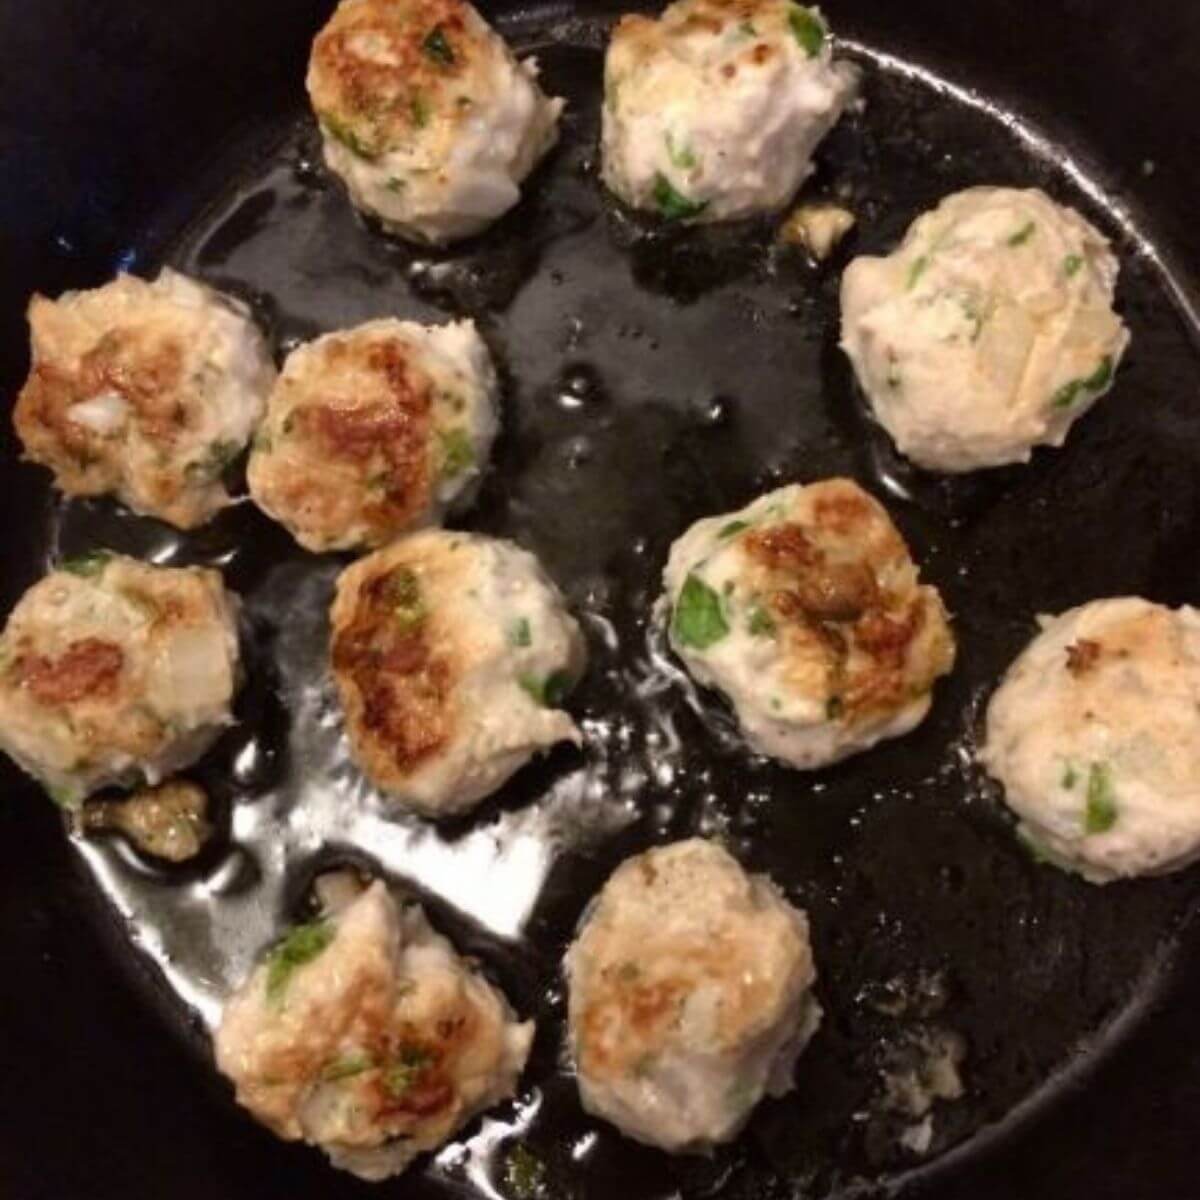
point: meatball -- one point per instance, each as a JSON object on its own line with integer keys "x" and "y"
{"x": 713, "y": 110}
{"x": 805, "y": 609}
{"x": 111, "y": 670}
{"x": 426, "y": 116}
{"x": 988, "y": 331}
{"x": 689, "y": 996}
{"x": 1095, "y": 735}
{"x": 374, "y": 432}
{"x": 367, "y": 1035}
{"x": 147, "y": 391}
{"x": 452, "y": 653}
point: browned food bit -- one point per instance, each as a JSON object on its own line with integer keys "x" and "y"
{"x": 169, "y": 821}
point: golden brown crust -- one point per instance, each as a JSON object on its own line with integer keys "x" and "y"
{"x": 350, "y": 458}
{"x": 88, "y": 669}
{"x": 394, "y": 679}
{"x": 826, "y": 583}
{"x": 145, "y": 370}
{"x": 374, "y": 102}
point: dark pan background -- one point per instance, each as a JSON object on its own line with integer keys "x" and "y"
{"x": 107, "y": 111}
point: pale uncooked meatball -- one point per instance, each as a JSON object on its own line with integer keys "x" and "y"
{"x": 112, "y": 670}
{"x": 806, "y": 611}
{"x": 452, "y": 653}
{"x": 426, "y": 116}
{"x": 1095, "y": 735}
{"x": 367, "y": 1035}
{"x": 376, "y": 431}
{"x": 689, "y": 996}
{"x": 146, "y": 391}
{"x": 988, "y": 331}
{"x": 713, "y": 110}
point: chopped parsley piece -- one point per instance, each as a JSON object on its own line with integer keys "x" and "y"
{"x": 549, "y": 692}
{"x": 519, "y": 634}
{"x": 300, "y": 946}
{"x": 344, "y": 1068}
{"x": 1097, "y": 381}
{"x": 395, "y": 185}
{"x": 1101, "y": 813}
{"x": 405, "y": 594}
{"x": 524, "y": 1173}
{"x": 761, "y": 624}
{"x": 216, "y": 458}
{"x": 674, "y": 205}
{"x": 1071, "y": 264}
{"x": 438, "y": 48}
{"x": 680, "y": 156}
{"x": 746, "y": 28}
{"x": 341, "y": 132}
{"x": 1022, "y": 235}
{"x": 698, "y": 621}
{"x": 1070, "y": 777}
{"x": 917, "y": 270}
{"x": 64, "y": 797}
{"x": 727, "y": 531}
{"x": 399, "y": 1076}
{"x": 419, "y": 110}
{"x": 89, "y": 565}
{"x": 808, "y": 29}
{"x": 458, "y": 452}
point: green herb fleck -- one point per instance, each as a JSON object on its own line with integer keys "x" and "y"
{"x": 1101, "y": 802}
{"x": 916, "y": 271}
{"x": 216, "y": 458}
{"x": 344, "y": 1068}
{"x": 300, "y": 946}
{"x": 808, "y": 29}
{"x": 519, "y": 634}
{"x": 437, "y": 47}
{"x": 698, "y": 621}
{"x": 89, "y": 565}
{"x": 1072, "y": 264}
{"x": 680, "y": 156}
{"x": 394, "y": 185}
{"x": 262, "y": 440}
{"x": 419, "y": 110}
{"x": 458, "y": 452}
{"x": 341, "y": 132}
{"x": 64, "y": 797}
{"x": 761, "y": 624}
{"x": 746, "y": 28}
{"x": 549, "y": 692}
{"x": 524, "y": 1173}
{"x": 1070, "y": 777}
{"x": 674, "y": 205}
{"x": 734, "y": 527}
{"x": 399, "y": 1076}
{"x": 1022, "y": 235}
{"x": 1097, "y": 381}
{"x": 408, "y": 605}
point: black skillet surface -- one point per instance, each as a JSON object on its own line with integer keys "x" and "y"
{"x": 652, "y": 377}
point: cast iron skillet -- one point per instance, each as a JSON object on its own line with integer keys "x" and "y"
{"x": 652, "y": 377}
